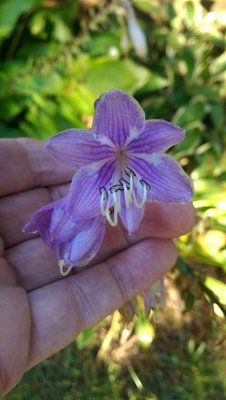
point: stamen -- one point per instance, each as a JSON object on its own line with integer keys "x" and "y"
{"x": 115, "y": 188}
{"x": 129, "y": 172}
{"x": 117, "y": 204}
{"x": 113, "y": 222}
{"x": 117, "y": 207}
{"x": 124, "y": 182}
{"x": 102, "y": 190}
{"x": 61, "y": 266}
{"x": 106, "y": 211}
{"x": 131, "y": 182}
{"x": 144, "y": 198}
{"x": 127, "y": 193}
{"x": 104, "y": 196}
{"x": 143, "y": 183}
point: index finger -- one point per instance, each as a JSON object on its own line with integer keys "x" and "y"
{"x": 26, "y": 164}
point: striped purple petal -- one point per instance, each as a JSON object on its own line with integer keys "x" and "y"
{"x": 168, "y": 181}
{"x": 62, "y": 226}
{"x": 84, "y": 246}
{"x": 117, "y": 116}
{"x": 85, "y": 190}
{"x": 40, "y": 222}
{"x": 77, "y": 147}
{"x": 131, "y": 216}
{"x": 158, "y": 135}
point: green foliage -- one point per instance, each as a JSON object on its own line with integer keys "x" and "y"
{"x": 56, "y": 59}
{"x": 179, "y": 367}
{"x": 10, "y": 11}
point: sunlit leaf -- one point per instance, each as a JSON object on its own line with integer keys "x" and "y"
{"x": 105, "y": 74}
{"x": 10, "y": 11}
{"x": 218, "y": 287}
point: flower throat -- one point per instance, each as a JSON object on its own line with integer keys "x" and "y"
{"x": 127, "y": 189}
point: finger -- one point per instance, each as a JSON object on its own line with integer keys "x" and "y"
{"x": 7, "y": 274}
{"x": 15, "y": 334}
{"x": 16, "y": 209}
{"x": 61, "y": 310}
{"x": 25, "y": 164}
{"x": 160, "y": 220}
{"x": 168, "y": 220}
{"x": 36, "y": 265}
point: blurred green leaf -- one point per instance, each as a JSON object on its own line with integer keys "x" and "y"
{"x": 10, "y": 132}
{"x": 29, "y": 85}
{"x": 219, "y": 64}
{"x": 105, "y": 74}
{"x": 189, "y": 58}
{"x": 218, "y": 287}
{"x": 145, "y": 5}
{"x": 37, "y": 23}
{"x": 217, "y": 115}
{"x": 10, "y": 11}
{"x": 190, "y": 12}
{"x": 84, "y": 337}
{"x": 192, "y": 139}
{"x": 155, "y": 82}
{"x": 10, "y": 108}
{"x": 61, "y": 31}
{"x": 100, "y": 45}
{"x": 193, "y": 111}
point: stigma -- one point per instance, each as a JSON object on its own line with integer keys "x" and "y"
{"x": 124, "y": 188}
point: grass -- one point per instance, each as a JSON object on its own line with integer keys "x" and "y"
{"x": 184, "y": 362}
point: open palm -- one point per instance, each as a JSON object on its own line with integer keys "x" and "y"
{"x": 41, "y": 312}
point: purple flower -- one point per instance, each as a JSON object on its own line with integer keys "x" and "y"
{"x": 120, "y": 166}
{"x": 120, "y": 162}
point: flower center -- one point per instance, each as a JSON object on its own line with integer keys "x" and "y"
{"x": 113, "y": 196}
{"x": 121, "y": 159}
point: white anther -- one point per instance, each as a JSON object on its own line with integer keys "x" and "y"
{"x": 144, "y": 198}
{"x": 62, "y": 266}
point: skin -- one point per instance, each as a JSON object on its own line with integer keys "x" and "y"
{"x": 41, "y": 312}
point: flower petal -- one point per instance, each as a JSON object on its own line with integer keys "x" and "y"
{"x": 40, "y": 222}
{"x": 62, "y": 226}
{"x": 85, "y": 190}
{"x": 158, "y": 135}
{"x": 131, "y": 216}
{"x": 117, "y": 116}
{"x": 84, "y": 246}
{"x": 168, "y": 181}
{"x": 77, "y": 147}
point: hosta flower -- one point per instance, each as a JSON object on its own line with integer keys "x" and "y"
{"x": 120, "y": 165}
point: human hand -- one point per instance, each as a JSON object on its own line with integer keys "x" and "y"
{"x": 40, "y": 311}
